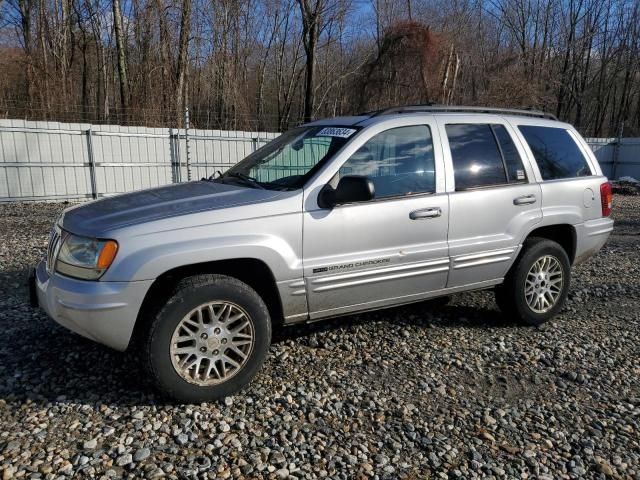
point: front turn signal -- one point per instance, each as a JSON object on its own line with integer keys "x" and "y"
{"x": 108, "y": 253}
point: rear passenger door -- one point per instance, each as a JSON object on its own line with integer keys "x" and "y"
{"x": 493, "y": 197}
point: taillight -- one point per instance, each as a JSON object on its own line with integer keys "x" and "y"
{"x": 606, "y": 198}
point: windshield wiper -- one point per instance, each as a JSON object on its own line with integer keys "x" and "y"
{"x": 212, "y": 177}
{"x": 245, "y": 178}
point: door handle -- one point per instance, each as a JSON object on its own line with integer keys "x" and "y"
{"x": 524, "y": 200}
{"x": 425, "y": 213}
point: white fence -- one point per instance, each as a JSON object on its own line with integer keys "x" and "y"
{"x": 63, "y": 161}
{"x": 617, "y": 157}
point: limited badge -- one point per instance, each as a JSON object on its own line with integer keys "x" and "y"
{"x": 336, "y": 132}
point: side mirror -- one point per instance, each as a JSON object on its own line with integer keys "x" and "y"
{"x": 350, "y": 189}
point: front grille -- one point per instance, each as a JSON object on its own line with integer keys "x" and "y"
{"x": 53, "y": 247}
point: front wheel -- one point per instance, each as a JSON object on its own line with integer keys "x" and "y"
{"x": 536, "y": 287}
{"x": 209, "y": 340}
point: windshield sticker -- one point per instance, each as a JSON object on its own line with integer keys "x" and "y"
{"x": 336, "y": 132}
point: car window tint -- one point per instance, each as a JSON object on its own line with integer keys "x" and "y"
{"x": 556, "y": 153}
{"x": 512, "y": 160}
{"x": 477, "y": 161}
{"x": 398, "y": 161}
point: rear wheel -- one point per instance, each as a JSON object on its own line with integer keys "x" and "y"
{"x": 209, "y": 340}
{"x": 536, "y": 287}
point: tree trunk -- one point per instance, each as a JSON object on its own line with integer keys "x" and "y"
{"x": 310, "y": 36}
{"x": 310, "y": 67}
{"x": 25, "y": 23}
{"x": 181, "y": 70}
{"x": 122, "y": 57}
{"x": 167, "y": 78}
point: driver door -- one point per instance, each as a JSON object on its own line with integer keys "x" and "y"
{"x": 391, "y": 249}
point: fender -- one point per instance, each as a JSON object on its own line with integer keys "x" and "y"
{"x": 561, "y": 217}
{"x": 150, "y": 261}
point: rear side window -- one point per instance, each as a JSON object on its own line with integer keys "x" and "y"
{"x": 556, "y": 153}
{"x": 483, "y": 155}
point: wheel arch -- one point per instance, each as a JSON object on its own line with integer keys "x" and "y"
{"x": 252, "y": 271}
{"x": 564, "y": 234}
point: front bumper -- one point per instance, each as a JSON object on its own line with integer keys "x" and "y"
{"x": 105, "y": 312}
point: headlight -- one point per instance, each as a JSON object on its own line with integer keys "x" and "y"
{"x": 86, "y": 258}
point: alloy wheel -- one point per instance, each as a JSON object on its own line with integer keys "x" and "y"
{"x": 544, "y": 283}
{"x": 212, "y": 343}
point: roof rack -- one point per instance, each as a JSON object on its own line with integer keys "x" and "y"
{"x": 463, "y": 109}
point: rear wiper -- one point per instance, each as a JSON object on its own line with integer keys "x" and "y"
{"x": 245, "y": 178}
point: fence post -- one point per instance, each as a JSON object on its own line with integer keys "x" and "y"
{"x": 616, "y": 152}
{"x": 174, "y": 152}
{"x": 254, "y": 142}
{"x": 186, "y": 143}
{"x": 92, "y": 164}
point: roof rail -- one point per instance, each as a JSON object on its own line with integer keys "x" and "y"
{"x": 432, "y": 108}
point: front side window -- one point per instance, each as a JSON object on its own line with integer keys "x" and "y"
{"x": 556, "y": 153}
{"x": 288, "y": 161}
{"x": 398, "y": 161}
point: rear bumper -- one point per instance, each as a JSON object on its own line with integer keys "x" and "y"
{"x": 590, "y": 237}
{"x": 105, "y": 312}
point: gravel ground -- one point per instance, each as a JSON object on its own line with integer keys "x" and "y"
{"x": 423, "y": 391}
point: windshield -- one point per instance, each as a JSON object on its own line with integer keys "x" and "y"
{"x": 288, "y": 161}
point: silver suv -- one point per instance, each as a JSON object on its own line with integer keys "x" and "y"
{"x": 333, "y": 217}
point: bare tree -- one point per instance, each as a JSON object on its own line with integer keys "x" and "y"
{"x": 181, "y": 69}
{"x": 25, "y": 10}
{"x": 270, "y": 64}
{"x": 311, "y": 24}
{"x": 122, "y": 55}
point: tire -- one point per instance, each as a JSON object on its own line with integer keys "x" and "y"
{"x": 205, "y": 313}
{"x": 527, "y": 306}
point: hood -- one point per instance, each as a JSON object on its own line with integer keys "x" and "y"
{"x": 107, "y": 214}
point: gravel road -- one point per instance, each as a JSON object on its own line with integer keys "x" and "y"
{"x": 423, "y": 391}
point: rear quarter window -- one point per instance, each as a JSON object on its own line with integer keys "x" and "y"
{"x": 556, "y": 152}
